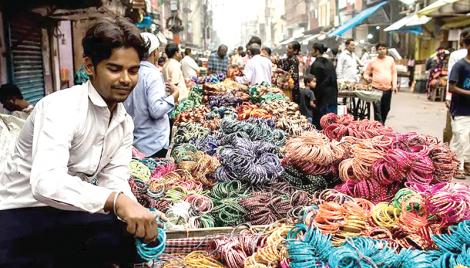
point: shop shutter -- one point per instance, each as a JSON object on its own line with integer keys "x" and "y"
{"x": 28, "y": 75}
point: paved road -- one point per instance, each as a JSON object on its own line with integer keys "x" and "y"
{"x": 413, "y": 112}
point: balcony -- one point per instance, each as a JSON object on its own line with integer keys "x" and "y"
{"x": 300, "y": 20}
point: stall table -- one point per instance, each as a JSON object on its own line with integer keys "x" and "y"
{"x": 359, "y": 108}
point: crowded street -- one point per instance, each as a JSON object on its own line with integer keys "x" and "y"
{"x": 233, "y": 134}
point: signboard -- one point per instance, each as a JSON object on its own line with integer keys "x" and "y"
{"x": 174, "y": 5}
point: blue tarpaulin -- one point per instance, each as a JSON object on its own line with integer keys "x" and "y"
{"x": 356, "y": 20}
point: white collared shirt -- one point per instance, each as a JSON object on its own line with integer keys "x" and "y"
{"x": 346, "y": 67}
{"x": 66, "y": 142}
{"x": 172, "y": 73}
{"x": 189, "y": 67}
{"x": 257, "y": 70}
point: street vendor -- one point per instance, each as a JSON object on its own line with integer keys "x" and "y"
{"x": 65, "y": 197}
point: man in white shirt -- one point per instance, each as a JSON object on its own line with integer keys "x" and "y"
{"x": 172, "y": 70}
{"x": 52, "y": 215}
{"x": 347, "y": 65}
{"x": 257, "y": 70}
{"x": 455, "y": 57}
{"x": 189, "y": 66}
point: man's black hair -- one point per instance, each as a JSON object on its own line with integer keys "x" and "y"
{"x": 109, "y": 33}
{"x": 254, "y": 40}
{"x": 379, "y": 45}
{"x": 268, "y": 50}
{"x": 255, "y": 49}
{"x": 349, "y": 41}
{"x": 240, "y": 49}
{"x": 171, "y": 50}
{"x": 466, "y": 39}
{"x": 161, "y": 60}
{"x": 9, "y": 91}
{"x": 187, "y": 51}
{"x": 308, "y": 78}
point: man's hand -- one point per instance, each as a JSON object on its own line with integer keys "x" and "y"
{"x": 173, "y": 90}
{"x": 140, "y": 221}
{"x": 395, "y": 89}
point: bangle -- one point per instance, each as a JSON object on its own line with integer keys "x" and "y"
{"x": 114, "y": 203}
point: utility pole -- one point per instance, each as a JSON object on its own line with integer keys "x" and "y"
{"x": 206, "y": 22}
{"x": 267, "y": 24}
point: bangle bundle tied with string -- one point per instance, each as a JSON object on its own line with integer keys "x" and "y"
{"x": 202, "y": 169}
{"x": 246, "y": 111}
{"x": 258, "y": 93}
{"x": 336, "y": 127}
{"x": 235, "y": 249}
{"x": 254, "y": 129}
{"x": 189, "y": 131}
{"x": 313, "y": 153}
{"x": 252, "y": 162}
{"x": 287, "y": 116}
{"x": 268, "y": 207}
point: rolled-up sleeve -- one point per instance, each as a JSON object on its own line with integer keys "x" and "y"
{"x": 158, "y": 103}
{"x": 50, "y": 182}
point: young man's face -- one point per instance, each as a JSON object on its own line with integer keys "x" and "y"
{"x": 350, "y": 47}
{"x": 382, "y": 51}
{"x": 10, "y": 104}
{"x": 116, "y": 77}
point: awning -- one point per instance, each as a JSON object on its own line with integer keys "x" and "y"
{"x": 411, "y": 23}
{"x": 287, "y": 41}
{"x": 458, "y": 23}
{"x": 307, "y": 38}
{"x": 356, "y": 20}
{"x": 435, "y": 6}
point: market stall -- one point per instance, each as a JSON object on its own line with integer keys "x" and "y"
{"x": 251, "y": 183}
{"x": 358, "y": 98}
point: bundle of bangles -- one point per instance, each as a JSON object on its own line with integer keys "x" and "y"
{"x": 355, "y": 194}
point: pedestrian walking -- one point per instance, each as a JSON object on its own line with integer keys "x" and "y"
{"x": 219, "y": 61}
{"x": 460, "y": 111}
{"x": 347, "y": 64}
{"x": 53, "y": 213}
{"x": 411, "y": 69}
{"x": 257, "y": 70}
{"x": 149, "y": 105}
{"x": 326, "y": 91}
{"x": 454, "y": 57}
{"x": 189, "y": 65}
{"x": 381, "y": 72}
{"x": 172, "y": 72}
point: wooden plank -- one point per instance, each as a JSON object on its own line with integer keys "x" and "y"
{"x": 202, "y": 232}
